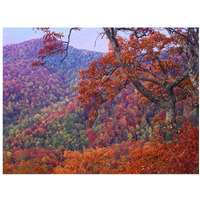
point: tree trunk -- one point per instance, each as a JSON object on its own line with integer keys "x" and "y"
{"x": 170, "y": 109}
{"x": 168, "y": 105}
{"x": 170, "y": 116}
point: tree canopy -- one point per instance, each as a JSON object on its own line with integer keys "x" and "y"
{"x": 163, "y": 66}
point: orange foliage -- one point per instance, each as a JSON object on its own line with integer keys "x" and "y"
{"x": 99, "y": 161}
{"x": 147, "y": 62}
{"x": 180, "y": 156}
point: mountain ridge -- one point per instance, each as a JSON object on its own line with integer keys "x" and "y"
{"x": 55, "y": 79}
{"x": 40, "y": 40}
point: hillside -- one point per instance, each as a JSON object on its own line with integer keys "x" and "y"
{"x": 46, "y": 127}
{"x": 28, "y": 89}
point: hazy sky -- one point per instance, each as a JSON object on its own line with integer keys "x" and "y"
{"x": 83, "y": 39}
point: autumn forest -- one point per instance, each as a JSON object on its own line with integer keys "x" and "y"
{"x": 132, "y": 110}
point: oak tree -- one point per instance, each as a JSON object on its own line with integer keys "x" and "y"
{"x": 163, "y": 66}
{"x": 164, "y": 69}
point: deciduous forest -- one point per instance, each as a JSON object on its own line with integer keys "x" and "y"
{"x": 133, "y": 110}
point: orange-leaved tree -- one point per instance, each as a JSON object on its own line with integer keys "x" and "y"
{"x": 163, "y": 68}
{"x": 162, "y": 64}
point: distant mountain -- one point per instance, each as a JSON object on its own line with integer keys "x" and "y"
{"x": 41, "y": 109}
{"x": 28, "y": 89}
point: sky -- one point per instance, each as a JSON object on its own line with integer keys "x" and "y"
{"x": 83, "y": 39}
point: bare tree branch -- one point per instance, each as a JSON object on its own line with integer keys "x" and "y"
{"x": 102, "y": 34}
{"x": 68, "y": 42}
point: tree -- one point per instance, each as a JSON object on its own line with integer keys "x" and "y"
{"x": 157, "y": 65}
{"x": 163, "y": 68}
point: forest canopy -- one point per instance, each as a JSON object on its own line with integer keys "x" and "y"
{"x": 132, "y": 110}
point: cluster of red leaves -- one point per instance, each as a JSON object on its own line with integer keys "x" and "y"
{"x": 175, "y": 157}
{"x": 31, "y": 161}
{"x": 117, "y": 120}
{"x": 52, "y": 44}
